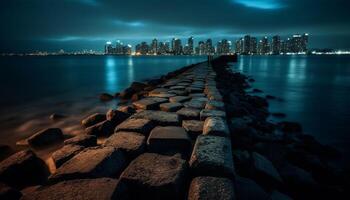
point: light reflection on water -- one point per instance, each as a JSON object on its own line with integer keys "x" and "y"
{"x": 315, "y": 90}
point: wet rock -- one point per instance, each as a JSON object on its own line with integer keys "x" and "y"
{"x": 195, "y": 104}
{"x": 138, "y": 86}
{"x": 82, "y": 140}
{"x": 93, "y": 162}
{"x": 179, "y": 99}
{"x": 45, "y": 137}
{"x": 275, "y": 152}
{"x": 93, "y": 119}
{"x": 23, "y": 169}
{"x": 8, "y": 193}
{"x": 56, "y": 116}
{"x": 106, "y": 97}
{"x": 116, "y": 116}
{"x": 212, "y": 113}
{"x": 206, "y": 187}
{"x": 127, "y": 93}
{"x": 215, "y": 105}
{"x": 188, "y": 113}
{"x": 132, "y": 143}
{"x": 151, "y": 103}
{"x": 248, "y": 189}
{"x": 216, "y": 126}
{"x": 89, "y": 189}
{"x": 193, "y": 127}
{"x": 170, "y": 107}
{"x": 143, "y": 126}
{"x": 155, "y": 176}
{"x": 160, "y": 118}
{"x": 276, "y": 195}
{"x": 169, "y": 140}
{"x": 127, "y": 109}
{"x": 101, "y": 129}
{"x": 212, "y": 156}
{"x": 65, "y": 153}
{"x": 264, "y": 171}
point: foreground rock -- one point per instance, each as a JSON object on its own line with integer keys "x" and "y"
{"x": 23, "y": 169}
{"x": 189, "y": 113}
{"x": 82, "y": 140}
{"x": 212, "y": 156}
{"x": 8, "y": 193}
{"x": 93, "y": 119}
{"x": 216, "y": 126}
{"x": 65, "y": 153}
{"x": 169, "y": 140}
{"x": 91, "y": 163}
{"x": 170, "y": 107}
{"x": 211, "y": 113}
{"x": 209, "y": 188}
{"x": 160, "y": 118}
{"x": 46, "y": 137}
{"x": 104, "y": 128}
{"x": 248, "y": 189}
{"x": 133, "y": 144}
{"x": 265, "y": 172}
{"x": 193, "y": 127}
{"x": 87, "y": 189}
{"x": 143, "y": 126}
{"x": 151, "y": 103}
{"x": 154, "y": 176}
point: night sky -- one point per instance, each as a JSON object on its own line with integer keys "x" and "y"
{"x": 29, "y": 25}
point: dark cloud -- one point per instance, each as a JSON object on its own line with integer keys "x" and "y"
{"x": 77, "y": 24}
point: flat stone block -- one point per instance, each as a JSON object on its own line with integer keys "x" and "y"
{"x": 160, "y": 118}
{"x": 212, "y": 156}
{"x": 215, "y": 105}
{"x": 216, "y": 126}
{"x": 178, "y": 92}
{"x": 209, "y": 188}
{"x": 177, "y": 87}
{"x": 212, "y": 113}
{"x": 133, "y": 144}
{"x": 179, "y": 99}
{"x": 195, "y": 104}
{"x": 170, "y": 107}
{"x": 189, "y": 113}
{"x": 143, "y": 126}
{"x": 163, "y": 95}
{"x": 197, "y": 95}
{"x": 169, "y": 140}
{"x": 65, "y": 153}
{"x": 193, "y": 127}
{"x": 150, "y": 103}
{"x": 93, "y": 119}
{"x": 154, "y": 176}
{"x": 94, "y": 162}
{"x": 45, "y": 137}
{"x": 158, "y": 91}
{"x": 87, "y": 189}
{"x": 82, "y": 140}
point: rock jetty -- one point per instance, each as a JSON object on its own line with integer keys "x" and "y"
{"x": 192, "y": 134}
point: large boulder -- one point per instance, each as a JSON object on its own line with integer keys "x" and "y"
{"x": 170, "y": 107}
{"x": 160, "y": 118}
{"x": 82, "y": 140}
{"x": 216, "y": 126}
{"x": 215, "y": 105}
{"x": 189, "y": 113}
{"x": 212, "y": 156}
{"x": 169, "y": 140}
{"x": 208, "y": 188}
{"x": 87, "y": 189}
{"x": 264, "y": 171}
{"x": 93, "y": 162}
{"x": 197, "y": 104}
{"x": 46, "y": 137}
{"x": 132, "y": 143}
{"x": 143, "y": 126}
{"x": 212, "y": 113}
{"x": 93, "y": 119}
{"x": 193, "y": 127}
{"x": 23, "y": 169}
{"x": 116, "y": 116}
{"x": 154, "y": 176}
{"x": 104, "y": 128}
{"x": 65, "y": 153}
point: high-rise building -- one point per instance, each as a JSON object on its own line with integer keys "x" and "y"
{"x": 108, "y": 48}
{"x": 201, "y": 48}
{"x": 246, "y": 44}
{"x": 190, "y": 45}
{"x": 154, "y": 46}
{"x": 144, "y": 48}
{"x": 176, "y": 46}
{"x": 223, "y": 47}
{"x": 239, "y": 46}
{"x": 253, "y": 45}
{"x": 298, "y": 43}
{"x": 305, "y": 42}
{"x": 264, "y": 47}
{"x": 209, "y": 48}
{"x": 276, "y": 45}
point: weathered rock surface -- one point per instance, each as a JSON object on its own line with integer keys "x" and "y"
{"x": 87, "y": 189}
{"x": 127, "y": 109}
{"x": 159, "y": 117}
{"x": 93, "y": 119}
{"x": 116, "y": 116}
{"x": 23, "y": 169}
{"x": 215, "y": 105}
{"x": 188, "y": 113}
{"x": 104, "y": 128}
{"x": 132, "y": 143}
{"x": 211, "y": 113}
{"x": 208, "y": 188}
{"x": 264, "y": 170}
{"x": 216, "y": 126}
{"x": 46, "y": 137}
{"x": 82, "y": 140}
{"x": 193, "y": 127}
{"x": 151, "y": 103}
{"x": 93, "y": 162}
{"x": 179, "y": 99}
{"x": 143, "y": 126}
{"x": 169, "y": 140}
{"x": 195, "y": 104}
{"x": 154, "y": 176}
{"x": 65, "y": 153}
{"x": 212, "y": 156}
{"x": 170, "y": 107}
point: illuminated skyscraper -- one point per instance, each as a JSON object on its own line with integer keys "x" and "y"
{"x": 108, "y": 48}
{"x": 190, "y": 45}
{"x": 264, "y": 47}
{"x": 253, "y": 45}
{"x": 246, "y": 45}
{"x": 154, "y": 47}
{"x": 276, "y": 45}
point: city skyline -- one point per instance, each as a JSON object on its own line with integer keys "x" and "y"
{"x": 34, "y": 25}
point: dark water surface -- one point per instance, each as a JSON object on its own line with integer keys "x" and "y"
{"x": 315, "y": 91}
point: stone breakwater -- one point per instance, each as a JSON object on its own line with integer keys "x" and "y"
{"x": 192, "y": 134}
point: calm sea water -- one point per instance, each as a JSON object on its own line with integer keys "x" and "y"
{"x": 315, "y": 92}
